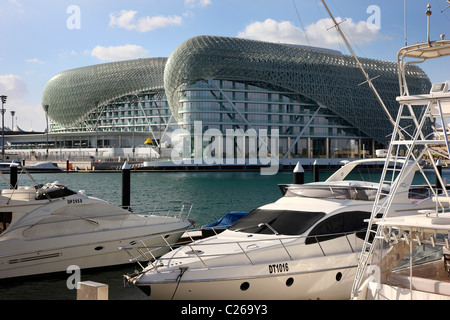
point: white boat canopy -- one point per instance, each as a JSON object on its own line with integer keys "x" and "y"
{"x": 425, "y": 50}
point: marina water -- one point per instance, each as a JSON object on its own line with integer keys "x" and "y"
{"x": 213, "y": 194}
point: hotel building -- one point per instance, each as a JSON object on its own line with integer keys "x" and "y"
{"x": 316, "y": 98}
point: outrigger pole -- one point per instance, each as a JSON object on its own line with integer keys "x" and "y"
{"x": 368, "y": 79}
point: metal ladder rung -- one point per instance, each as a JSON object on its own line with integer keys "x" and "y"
{"x": 364, "y": 257}
{"x": 394, "y": 169}
{"x": 379, "y": 206}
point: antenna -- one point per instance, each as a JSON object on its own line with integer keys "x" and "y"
{"x": 298, "y": 15}
{"x": 446, "y": 6}
{"x": 428, "y": 23}
{"x": 404, "y": 17}
{"x": 368, "y": 79}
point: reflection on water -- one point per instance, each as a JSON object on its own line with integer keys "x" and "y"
{"x": 54, "y": 287}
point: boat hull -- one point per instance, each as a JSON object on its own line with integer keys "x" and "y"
{"x": 85, "y": 255}
{"x": 301, "y": 281}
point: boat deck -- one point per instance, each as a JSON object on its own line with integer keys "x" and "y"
{"x": 430, "y": 277}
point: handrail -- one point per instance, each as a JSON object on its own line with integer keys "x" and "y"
{"x": 241, "y": 244}
{"x": 182, "y": 215}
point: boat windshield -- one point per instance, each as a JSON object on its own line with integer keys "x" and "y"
{"x": 333, "y": 192}
{"x": 287, "y": 222}
{"x": 422, "y": 254}
{"x": 52, "y": 191}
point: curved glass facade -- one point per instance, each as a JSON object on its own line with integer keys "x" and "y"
{"x": 313, "y": 97}
{"x": 224, "y": 104}
{"x": 72, "y": 95}
{"x": 133, "y": 117}
{"x": 327, "y": 77}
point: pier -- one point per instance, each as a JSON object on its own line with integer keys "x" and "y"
{"x": 288, "y": 165}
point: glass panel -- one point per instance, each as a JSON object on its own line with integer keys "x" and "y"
{"x": 282, "y": 221}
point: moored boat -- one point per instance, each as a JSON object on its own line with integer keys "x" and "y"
{"x": 303, "y": 246}
{"x": 412, "y": 261}
{"x": 47, "y": 228}
{"x": 382, "y": 273}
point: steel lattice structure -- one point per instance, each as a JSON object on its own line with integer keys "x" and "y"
{"x": 73, "y": 94}
{"x": 328, "y": 77}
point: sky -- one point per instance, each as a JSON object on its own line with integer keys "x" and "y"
{"x": 41, "y": 38}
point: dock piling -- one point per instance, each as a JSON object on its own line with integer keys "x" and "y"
{"x": 316, "y": 171}
{"x": 299, "y": 174}
{"x": 439, "y": 169}
{"x": 126, "y": 186}
{"x": 13, "y": 175}
{"x": 90, "y": 290}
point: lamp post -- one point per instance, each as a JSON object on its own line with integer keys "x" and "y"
{"x": 12, "y": 119}
{"x": 3, "y": 126}
{"x": 96, "y": 130}
{"x": 46, "y": 119}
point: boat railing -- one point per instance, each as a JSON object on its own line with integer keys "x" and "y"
{"x": 143, "y": 254}
{"x": 334, "y": 192}
{"x": 182, "y": 211}
{"x": 64, "y": 225}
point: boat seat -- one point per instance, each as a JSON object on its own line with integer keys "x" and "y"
{"x": 429, "y": 277}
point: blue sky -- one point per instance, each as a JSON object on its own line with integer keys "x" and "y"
{"x": 41, "y": 38}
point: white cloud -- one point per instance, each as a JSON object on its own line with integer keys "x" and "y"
{"x": 116, "y": 53}
{"x": 359, "y": 32}
{"x": 35, "y": 60}
{"x": 17, "y": 3}
{"x": 27, "y": 114}
{"x": 273, "y": 31}
{"x": 127, "y": 19}
{"x": 19, "y": 6}
{"x": 197, "y": 3}
{"x": 151, "y": 23}
{"x": 13, "y": 86}
{"x": 66, "y": 53}
{"x": 317, "y": 34}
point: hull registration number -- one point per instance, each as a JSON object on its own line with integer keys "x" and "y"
{"x": 278, "y": 267}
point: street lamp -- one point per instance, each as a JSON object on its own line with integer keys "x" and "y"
{"x": 3, "y": 126}
{"x": 12, "y": 119}
{"x": 96, "y": 129}
{"x": 46, "y": 119}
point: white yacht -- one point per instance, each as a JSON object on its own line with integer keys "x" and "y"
{"x": 44, "y": 167}
{"x": 415, "y": 263}
{"x": 47, "y": 228}
{"x": 381, "y": 272}
{"x": 303, "y": 246}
